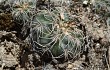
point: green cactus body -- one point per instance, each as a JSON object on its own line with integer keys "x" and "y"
{"x": 58, "y": 37}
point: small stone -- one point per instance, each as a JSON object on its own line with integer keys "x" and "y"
{"x": 85, "y": 2}
{"x": 62, "y": 65}
{"x": 70, "y": 66}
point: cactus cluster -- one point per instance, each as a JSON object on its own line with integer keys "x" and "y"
{"x": 52, "y": 31}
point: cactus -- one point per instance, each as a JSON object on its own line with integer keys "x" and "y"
{"x": 22, "y": 12}
{"x": 56, "y": 34}
{"x": 22, "y": 9}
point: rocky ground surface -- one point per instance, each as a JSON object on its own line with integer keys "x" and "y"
{"x": 16, "y": 52}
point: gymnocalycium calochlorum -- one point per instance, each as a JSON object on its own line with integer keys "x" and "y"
{"x": 51, "y": 30}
